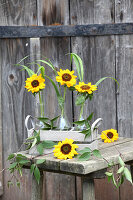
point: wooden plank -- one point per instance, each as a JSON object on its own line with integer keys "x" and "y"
{"x": 88, "y": 189}
{"x": 65, "y": 31}
{"x": 37, "y": 189}
{"x": 94, "y": 164}
{"x": 98, "y": 54}
{"x": 124, "y": 74}
{"x": 56, "y": 12}
{"x": 16, "y": 104}
{"x": 1, "y": 163}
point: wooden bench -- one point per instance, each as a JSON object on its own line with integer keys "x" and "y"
{"x": 87, "y": 170}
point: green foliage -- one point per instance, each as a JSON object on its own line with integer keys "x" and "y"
{"x": 79, "y": 65}
{"x": 86, "y": 153}
{"x": 86, "y": 123}
{"x": 102, "y": 79}
{"x": 121, "y": 173}
{"x": 48, "y": 123}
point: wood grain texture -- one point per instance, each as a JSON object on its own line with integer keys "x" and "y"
{"x": 65, "y": 31}
{"x": 52, "y": 12}
{"x": 18, "y": 12}
{"x": 1, "y": 164}
{"x": 88, "y": 189}
{"x": 124, "y": 74}
{"x": 98, "y": 54}
{"x": 16, "y": 104}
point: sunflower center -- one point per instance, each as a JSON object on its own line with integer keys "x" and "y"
{"x": 66, "y": 148}
{"x": 85, "y": 87}
{"x": 110, "y": 134}
{"x": 66, "y": 77}
{"x": 35, "y": 83}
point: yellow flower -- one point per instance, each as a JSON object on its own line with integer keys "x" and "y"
{"x": 65, "y": 149}
{"x": 66, "y": 77}
{"x": 109, "y": 135}
{"x": 35, "y": 83}
{"x": 82, "y": 87}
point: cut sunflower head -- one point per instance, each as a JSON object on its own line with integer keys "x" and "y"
{"x": 35, "y": 83}
{"x": 65, "y": 149}
{"x": 66, "y": 77}
{"x": 82, "y": 87}
{"x": 109, "y": 135}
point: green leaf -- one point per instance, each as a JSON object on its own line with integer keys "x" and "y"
{"x": 54, "y": 119}
{"x": 121, "y": 161}
{"x": 42, "y": 69}
{"x": 34, "y": 142}
{"x": 86, "y": 132}
{"x": 49, "y": 64}
{"x": 32, "y": 167}
{"x": 20, "y": 171}
{"x": 87, "y": 124}
{"x": 97, "y": 153}
{"x": 128, "y": 175}
{"x": 86, "y": 149}
{"x": 109, "y": 178}
{"x": 29, "y": 71}
{"x": 22, "y": 59}
{"x": 18, "y": 184}
{"x": 80, "y": 123}
{"x": 48, "y": 144}
{"x": 113, "y": 180}
{"x": 79, "y": 65}
{"x": 108, "y": 173}
{"x": 9, "y": 183}
{"x": 80, "y": 100}
{"x": 40, "y": 161}
{"x": 90, "y": 96}
{"x": 90, "y": 117}
{"x": 120, "y": 170}
{"x": 11, "y": 156}
{"x": 71, "y": 88}
{"x": 23, "y": 162}
{"x": 30, "y": 138}
{"x": 37, "y": 174}
{"x": 102, "y": 79}
{"x": 13, "y": 165}
{"x": 85, "y": 156}
{"x": 40, "y": 148}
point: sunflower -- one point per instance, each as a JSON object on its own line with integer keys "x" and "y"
{"x": 65, "y": 149}
{"x": 82, "y": 87}
{"x": 66, "y": 77}
{"x": 35, "y": 83}
{"x": 109, "y": 135}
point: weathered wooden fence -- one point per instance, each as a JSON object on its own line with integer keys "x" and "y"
{"x": 105, "y": 51}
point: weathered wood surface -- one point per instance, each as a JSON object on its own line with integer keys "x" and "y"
{"x": 16, "y": 103}
{"x": 98, "y": 54}
{"x": 88, "y": 189}
{"x": 1, "y": 164}
{"x": 37, "y": 189}
{"x": 124, "y": 75}
{"x": 53, "y": 11}
{"x": 110, "y": 153}
{"x": 65, "y": 31}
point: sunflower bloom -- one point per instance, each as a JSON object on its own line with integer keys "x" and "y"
{"x": 109, "y": 135}
{"x": 66, "y": 77}
{"x": 35, "y": 83}
{"x": 82, "y": 87}
{"x": 65, "y": 149}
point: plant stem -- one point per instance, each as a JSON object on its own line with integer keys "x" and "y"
{"x": 64, "y": 97}
{"x": 41, "y": 105}
{"x": 81, "y": 111}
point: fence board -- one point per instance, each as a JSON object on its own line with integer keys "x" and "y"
{"x": 98, "y": 55}
{"x": 16, "y": 104}
{"x": 56, "y": 12}
{"x": 124, "y": 74}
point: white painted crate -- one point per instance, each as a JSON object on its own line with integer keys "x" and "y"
{"x": 57, "y": 135}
